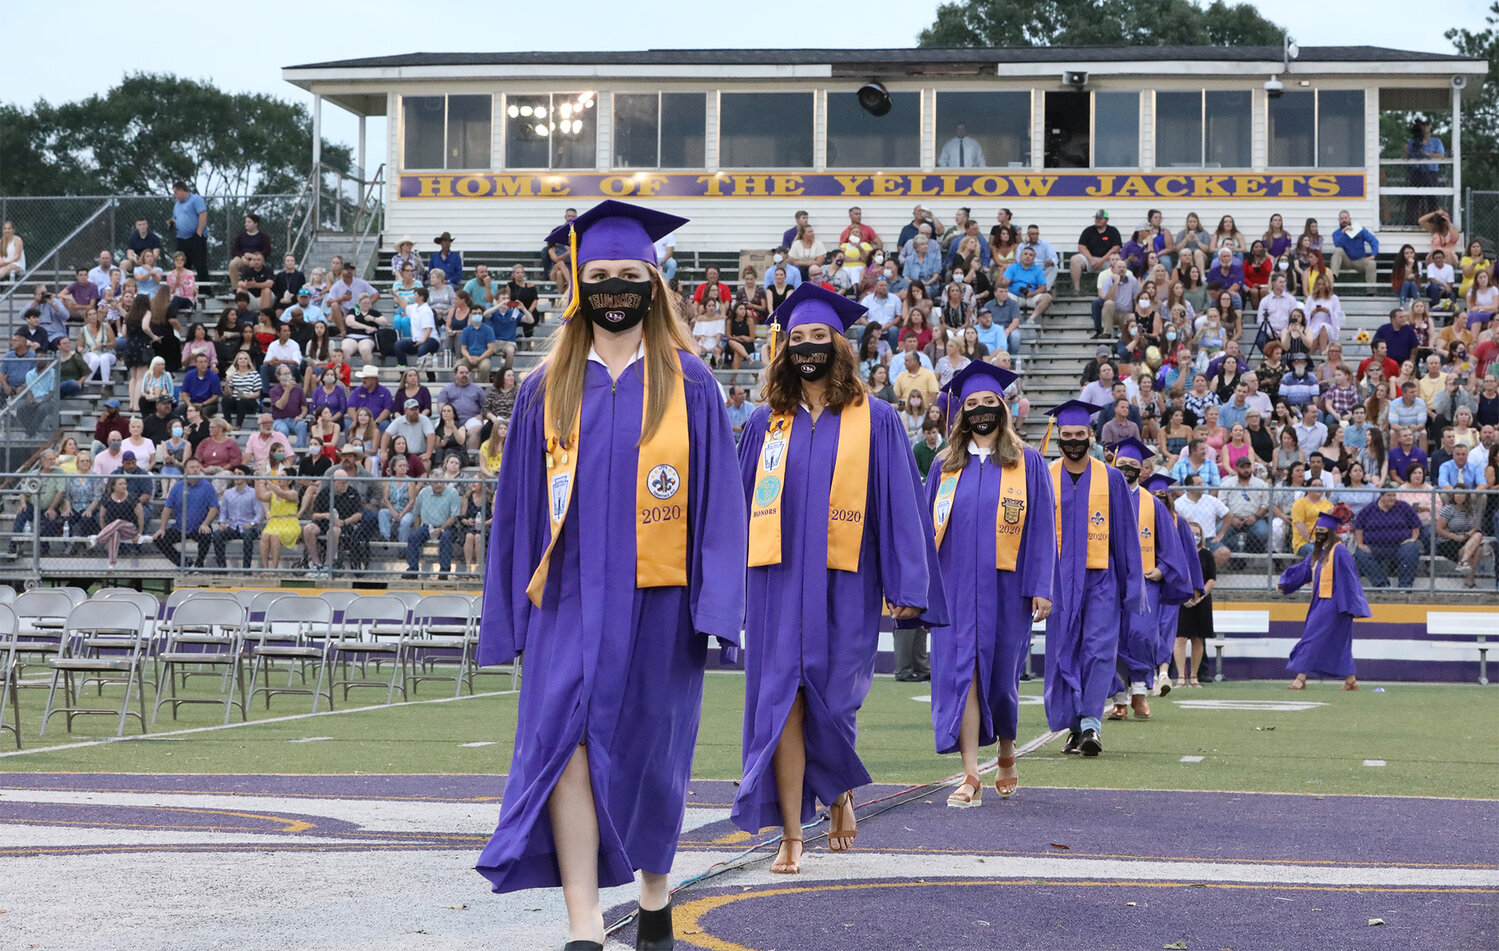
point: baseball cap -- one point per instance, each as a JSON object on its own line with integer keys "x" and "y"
{"x": 412, "y": 404}
{"x": 112, "y": 404}
{"x": 1100, "y": 213}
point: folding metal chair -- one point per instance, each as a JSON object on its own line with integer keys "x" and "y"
{"x": 372, "y": 627}
{"x": 204, "y": 632}
{"x": 440, "y": 625}
{"x": 42, "y": 613}
{"x": 99, "y": 637}
{"x": 76, "y": 595}
{"x": 9, "y": 673}
{"x": 297, "y": 629}
{"x": 7, "y": 594}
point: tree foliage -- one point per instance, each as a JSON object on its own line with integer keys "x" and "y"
{"x": 1481, "y": 112}
{"x": 1107, "y": 23}
{"x": 153, "y": 128}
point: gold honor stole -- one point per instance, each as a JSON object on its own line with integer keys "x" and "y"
{"x": 850, "y": 482}
{"x": 1324, "y": 582}
{"x": 1147, "y": 532}
{"x": 1009, "y": 517}
{"x": 1098, "y": 510}
{"x": 660, "y": 499}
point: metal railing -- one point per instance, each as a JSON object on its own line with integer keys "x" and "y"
{"x": 1409, "y": 188}
{"x": 50, "y": 264}
{"x": 1481, "y": 219}
{"x": 32, "y": 414}
{"x": 330, "y": 199}
{"x": 57, "y": 525}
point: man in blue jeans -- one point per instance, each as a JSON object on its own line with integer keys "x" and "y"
{"x": 438, "y": 506}
{"x": 1387, "y": 533}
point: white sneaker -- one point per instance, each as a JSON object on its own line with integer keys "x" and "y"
{"x": 143, "y": 540}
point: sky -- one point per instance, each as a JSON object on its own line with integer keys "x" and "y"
{"x": 229, "y": 52}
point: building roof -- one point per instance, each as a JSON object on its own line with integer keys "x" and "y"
{"x": 862, "y": 59}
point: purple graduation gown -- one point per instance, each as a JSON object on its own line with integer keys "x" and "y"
{"x": 1326, "y": 645}
{"x": 1140, "y": 635}
{"x": 815, "y": 629}
{"x": 989, "y": 609}
{"x": 607, "y": 664}
{"x": 1171, "y": 612}
{"x": 1082, "y": 633}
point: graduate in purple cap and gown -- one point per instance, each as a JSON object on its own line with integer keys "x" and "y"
{"x": 617, "y": 551}
{"x": 1167, "y": 580}
{"x": 1098, "y": 581}
{"x": 1326, "y": 645}
{"x": 1160, "y": 486}
{"x": 837, "y": 529}
{"x": 995, "y": 522}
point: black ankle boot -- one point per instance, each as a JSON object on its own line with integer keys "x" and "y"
{"x": 582, "y": 946}
{"x": 653, "y": 930}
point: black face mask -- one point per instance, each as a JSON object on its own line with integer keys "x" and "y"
{"x": 615, "y": 304}
{"x": 813, "y": 361}
{"x": 981, "y": 420}
{"x": 1074, "y": 449}
{"x": 1130, "y": 473}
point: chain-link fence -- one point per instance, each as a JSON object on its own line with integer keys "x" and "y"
{"x": 1414, "y": 538}
{"x": 224, "y": 527}
{"x": 1481, "y": 220}
{"x": 30, "y": 416}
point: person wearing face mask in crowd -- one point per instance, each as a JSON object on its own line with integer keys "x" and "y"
{"x": 1168, "y": 581}
{"x": 1326, "y": 645}
{"x": 479, "y": 341}
{"x": 994, "y": 521}
{"x": 792, "y": 275}
{"x": 1098, "y": 581}
{"x": 616, "y": 549}
{"x": 837, "y": 529}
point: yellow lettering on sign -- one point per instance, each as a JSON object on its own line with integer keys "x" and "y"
{"x": 990, "y": 186}
{"x": 510, "y": 186}
{"x": 1037, "y": 185}
{"x": 889, "y": 186}
{"x": 1134, "y": 187}
{"x": 714, "y": 183}
{"x": 850, "y": 184}
{"x": 950, "y": 187}
{"x": 1209, "y": 186}
{"x": 1162, "y": 186}
{"x": 1104, "y": 188}
{"x": 1322, "y": 186}
{"x": 555, "y": 187}
{"x": 787, "y": 185}
{"x": 746, "y": 185}
{"x": 1250, "y": 186}
{"x": 920, "y": 188}
{"x": 1286, "y": 185}
{"x": 435, "y": 186}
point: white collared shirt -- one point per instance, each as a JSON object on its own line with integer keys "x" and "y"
{"x": 593, "y": 355}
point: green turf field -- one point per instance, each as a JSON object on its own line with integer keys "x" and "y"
{"x": 1432, "y": 739}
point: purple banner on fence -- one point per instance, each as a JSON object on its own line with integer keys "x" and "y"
{"x": 755, "y": 184}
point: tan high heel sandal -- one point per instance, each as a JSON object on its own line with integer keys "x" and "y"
{"x": 789, "y": 867}
{"x": 962, "y": 800}
{"x": 842, "y": 806}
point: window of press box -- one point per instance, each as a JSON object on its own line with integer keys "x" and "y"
{"x": 557, "y": 130}
{"x": 451, "y": 132}
{"x": 859, "y": 139}
{"x": 1092, "y": 129}
{"x": 998, "y": 122}
{"x": 1317, "y": 128}
{"x": 1203, "y": 129}
{"x": 1116, "y": 130}
{"x": 765, "y": 129}
{"x": 659, "y": 130}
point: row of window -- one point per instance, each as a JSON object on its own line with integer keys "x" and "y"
{"x": 1308, "y": 128}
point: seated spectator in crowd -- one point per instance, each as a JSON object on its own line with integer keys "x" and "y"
{"x": 71, "y": 369}
{"x": 1207, "y": 512}
{"x": 250, "y": 240}
{"x": 256, "y": 279}
{"x": 371, "y": 395}
{"x": 438, "y": 507}
{"x": 141, "y": 239}
{"x": 446, "y": 260}
{"x": 883, "y": 307}
{"x": 859, "y": 232}
{"x": 1399, "y": 337}
{"x": 333, "y": 534}
{"x": 265, "y": 441}
{"x": 1093, "y": 247}
{"x": 1354, "y": 248}
{"x": 1410, "y": 411}
{"x": 914, "y": 376}
{"x": 1299, "y": 387}
{"x": 1028, "y": 283}
{"x": 1197, "y": 462}
{"x": 1441, "y": 281}
{"x": 80, "y": 295}
{"x": 1387, "y": 535}
{"x": 1227, "y": 274}
{"x": 190, "y": 511}
{"x": 424, "y": 340}
{"x": 1100, "y": 391}
{"x": 244, "y": 386}
{"x": 419, "y": 430}
{"x": 740, "y": 409}
{"x": 283, "y": 351}
{"x": 998, "y": 320}
{"x": 201, "y": 386}
{"x": 1460, "y": 471}
{"x": 347, "y": 294}
{"x": 287, "y": 284}
{"x": 218, "y": 452}
{"x": 241, "y": 515}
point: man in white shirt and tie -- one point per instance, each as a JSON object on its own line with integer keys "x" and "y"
{"x": 961, "y": 151}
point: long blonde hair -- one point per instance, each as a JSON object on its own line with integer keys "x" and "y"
{"x": 1009, "y": 450}
{"x": 567, "y": 360}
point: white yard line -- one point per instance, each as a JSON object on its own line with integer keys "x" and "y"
{"x": 234, "y": 726}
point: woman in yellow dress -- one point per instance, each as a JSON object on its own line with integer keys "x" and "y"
{"x": 278, "y": 493}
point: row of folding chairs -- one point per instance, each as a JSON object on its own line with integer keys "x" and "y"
{"x": 123, "y": 637}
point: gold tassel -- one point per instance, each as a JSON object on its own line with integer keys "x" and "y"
{"x": 572, "y": 249}
{"x": 1046, "y": 443}
{"x": 775, "y": 333}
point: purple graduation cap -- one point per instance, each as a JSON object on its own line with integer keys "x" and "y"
{"x": 1331, "y": 521}
{"x": 1131, "y": 448}
{"x": 1155, "y": 482}
{"x": 977, "y": 377}
{"x": 1073, "y": 413}
{"x": 811, "y": 304}
{"x": 616, "y": 231}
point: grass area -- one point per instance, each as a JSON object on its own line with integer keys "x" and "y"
{"x": 1430, "y": 736}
